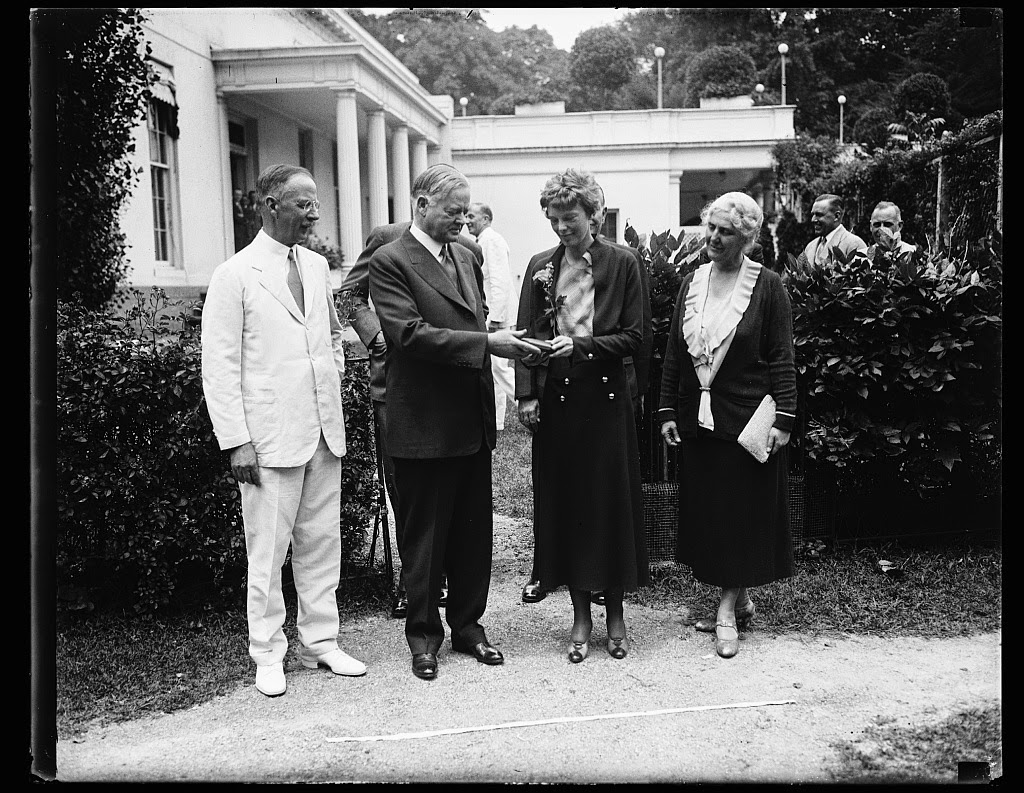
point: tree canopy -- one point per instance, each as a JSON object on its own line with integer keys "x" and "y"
{"x": 862, "y": 53}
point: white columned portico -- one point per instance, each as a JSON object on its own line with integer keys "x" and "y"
{"x": 400, "y": 184}
{"x": 419, "y": 157}
{"x": 377, "y": 166}
{"x": 225, "y": 178}
{"x": 674, "y": 182}
{"x": 350, "y": 225}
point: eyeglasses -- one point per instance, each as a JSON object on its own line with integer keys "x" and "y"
{"x": 305, "y": 206}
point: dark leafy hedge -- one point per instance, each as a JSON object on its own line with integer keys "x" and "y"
{"x": 900, "y": 374}
{"x": 148, "y": 514}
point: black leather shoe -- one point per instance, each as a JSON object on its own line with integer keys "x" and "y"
{"x": 533, "y": 592}
{"x": 400, "y": 608}
{"x": 424, "y": 666}
{"x": 597, "y": 598}
{"x": 483, "y": 652}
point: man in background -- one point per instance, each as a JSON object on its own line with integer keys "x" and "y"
{"x": 889, "y": 247}
{"x": 827, "y": 220}
{"x": 498, "y": 293}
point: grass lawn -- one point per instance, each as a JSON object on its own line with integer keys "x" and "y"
{"x": 115, "y": 667}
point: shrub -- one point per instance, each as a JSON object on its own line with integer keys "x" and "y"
{"x": 720, "y": 71}
{"x": 101, "y": 79}
{"x": 335, "y": 258}
{"x": 147, "y": 509}
{"x": 901, "y": 375}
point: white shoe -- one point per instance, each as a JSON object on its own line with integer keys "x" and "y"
{"x": 270, "y": 679}
{"x": 338, "y": 661}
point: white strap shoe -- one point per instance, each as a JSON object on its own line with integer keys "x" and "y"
{"x": 270, "y": 679}
{"x": 338, "y": 661}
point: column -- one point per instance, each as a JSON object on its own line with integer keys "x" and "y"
{"x": 419, "y": 157}
{"x": 377, "y": 166}
{"x": 350, "y": 225}
{"x": 400, "y": 184}
{"x": 674, "y": 186}
{"x": 225, "y": 177}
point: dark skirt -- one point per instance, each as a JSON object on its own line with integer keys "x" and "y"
{"x": 733, "y": 514}
{"x": 587, "y": 501}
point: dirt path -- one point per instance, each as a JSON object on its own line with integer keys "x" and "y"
{"x": 715, "y": 722}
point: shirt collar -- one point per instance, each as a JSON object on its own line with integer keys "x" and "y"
{"x": 427, "y": 241}
{"x": 272, "y": 247}
{"x": 831, "y": 234}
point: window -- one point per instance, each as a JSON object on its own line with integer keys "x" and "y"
{"x": 610, "y": 228}
{"x": 161, "y": 121}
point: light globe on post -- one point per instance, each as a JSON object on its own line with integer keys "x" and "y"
{"x": 759, "y": 88}
{"x": 842, "y": 101}
{"x": 463, "y": 101}
{"x": 783, "y": 49}
{"x": 659, "y": 53}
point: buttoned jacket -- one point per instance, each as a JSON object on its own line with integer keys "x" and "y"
{"x": 363, "y": 318}
{"x": 272, "y": 373}
{"x": 440, "y": 390}
{"x": 618, "y": 311}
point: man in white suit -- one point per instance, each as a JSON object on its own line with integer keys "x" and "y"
{"x": 272, "y": 365}
{"x": 502, "y": 304}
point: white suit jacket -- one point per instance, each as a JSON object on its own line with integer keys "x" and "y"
{"x": 497, "y": 277}
{"x": 272, "y": 375}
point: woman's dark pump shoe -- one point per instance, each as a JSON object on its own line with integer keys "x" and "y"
{"x": 618, "y": 648}
{"x": 578, "y": 651}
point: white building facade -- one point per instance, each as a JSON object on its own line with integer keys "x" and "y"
{"x": 244, "y": 88}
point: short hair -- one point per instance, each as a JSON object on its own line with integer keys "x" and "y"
{"x": 438, "y": 181}
{"x": 744, "y": 213}
{"x": 570, "y": 188}
{"x": 888, "y": 205}
{"x": 834, "y": 201}
{"x": 484, "y": 209}
{"x": 274, "y": 177}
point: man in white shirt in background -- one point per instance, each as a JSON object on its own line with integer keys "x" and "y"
{"x": 498, "y": 293}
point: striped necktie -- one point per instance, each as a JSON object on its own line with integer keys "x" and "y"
{"x": 821, "y": 252}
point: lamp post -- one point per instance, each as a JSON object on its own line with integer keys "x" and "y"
{"x": 760, "y": 91}
{"x": 783, "y": 49}
{"x": 464, "y": 101}
{"x": 659, "y": 53}
{"x": 842, "y": 101}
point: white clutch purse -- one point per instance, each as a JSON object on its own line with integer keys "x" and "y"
{"x": 754, "y": 437}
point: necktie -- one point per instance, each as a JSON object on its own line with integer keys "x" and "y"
{"x": 821, "y": 252}
{"x": 576, "y": 317}
{"x": 449, "y": 266}
{"x": 294, "y": 282}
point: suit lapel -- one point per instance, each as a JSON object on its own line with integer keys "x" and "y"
{"x": 430, "y": 270}
{"x": 467, "y": 281}
{"x": 277, "y": 285}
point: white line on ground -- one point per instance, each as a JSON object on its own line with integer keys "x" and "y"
{"x": 405, "y": 736}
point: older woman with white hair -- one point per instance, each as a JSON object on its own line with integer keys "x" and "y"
{"x": 730, "y": 344}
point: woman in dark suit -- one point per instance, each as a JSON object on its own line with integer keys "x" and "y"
{"x": 730, "y": 343}
{"x": 585, "y": 298}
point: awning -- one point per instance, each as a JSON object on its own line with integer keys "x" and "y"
{"x": 163, "y": 89}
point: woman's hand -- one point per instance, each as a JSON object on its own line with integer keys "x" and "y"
{"x": 670, "y": 433}
{"x": 777, "y": 439}
{"x": 561, "y": 347}
{"x": 529, "y": 413}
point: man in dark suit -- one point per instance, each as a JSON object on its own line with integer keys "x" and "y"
{"x": 428, "y": 295}
{"x": 367, "y": 326}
